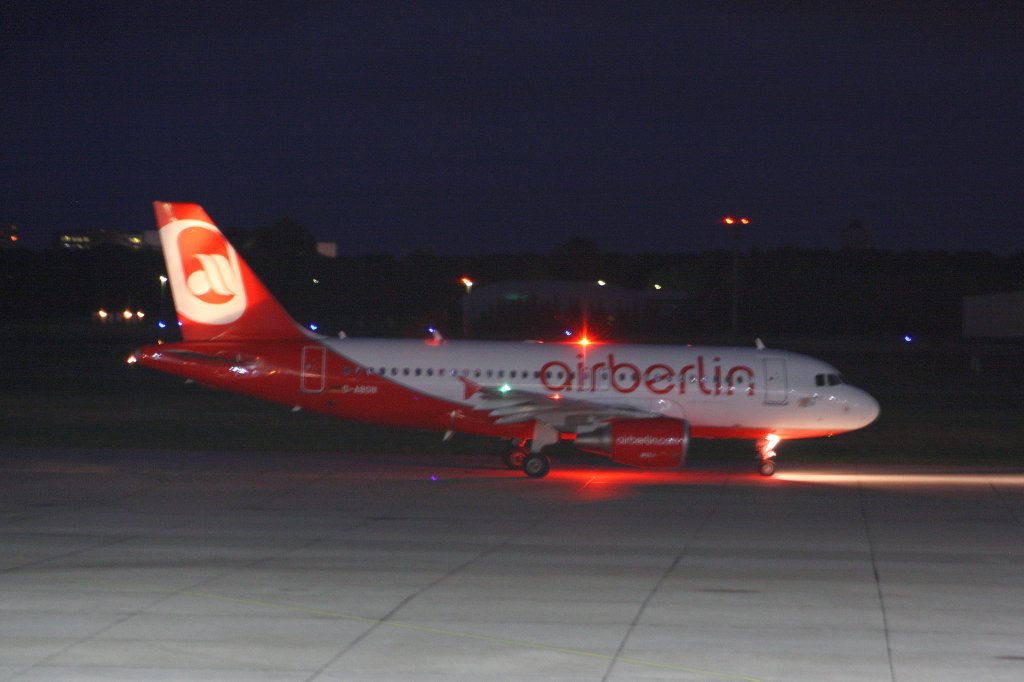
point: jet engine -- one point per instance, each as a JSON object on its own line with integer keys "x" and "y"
{"x": 657, "y": 442}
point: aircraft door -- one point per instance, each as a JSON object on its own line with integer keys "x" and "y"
{"x": 776, "y": 383}
{"x": 314, "y": 366}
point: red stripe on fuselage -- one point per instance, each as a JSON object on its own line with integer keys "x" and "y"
{"x": 273, "y": 371}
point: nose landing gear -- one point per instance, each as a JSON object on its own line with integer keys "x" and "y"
{"x": 766, "y": 453}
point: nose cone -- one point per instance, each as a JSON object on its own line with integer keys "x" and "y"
{"x": 863, "y": 409}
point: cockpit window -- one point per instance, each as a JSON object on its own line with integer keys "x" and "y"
{"x": 828, "y": 380}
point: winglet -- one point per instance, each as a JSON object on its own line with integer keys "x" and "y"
{"x": 471, "y": 388}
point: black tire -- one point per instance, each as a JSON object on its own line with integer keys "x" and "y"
{"x": 536, "y": 465}
{"x": 767, "y": 468}
{"x": 515, "y": 458}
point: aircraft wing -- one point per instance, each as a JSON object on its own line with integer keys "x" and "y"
{"x": 568, "y": 415}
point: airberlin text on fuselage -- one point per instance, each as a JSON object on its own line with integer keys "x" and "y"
{"x": 625, "y": 377}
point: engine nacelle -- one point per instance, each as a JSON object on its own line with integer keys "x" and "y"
{"x": 658, "y": 442}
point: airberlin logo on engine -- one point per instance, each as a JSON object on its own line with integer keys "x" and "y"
{"x": 206, "y": 279}
{"x": 710, "y": 378}
{"x": 655, "y": 441}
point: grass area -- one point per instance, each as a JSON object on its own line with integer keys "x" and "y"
{"x": 66, "y": 394}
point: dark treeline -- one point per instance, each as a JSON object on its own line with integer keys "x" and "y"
{"x": 784, "y": 292}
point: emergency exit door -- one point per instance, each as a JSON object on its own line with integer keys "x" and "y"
{"x": 314, "y": 366}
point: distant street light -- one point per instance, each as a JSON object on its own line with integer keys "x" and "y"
{"x": 736, "y": 224}
{"x": 468, "y": 283}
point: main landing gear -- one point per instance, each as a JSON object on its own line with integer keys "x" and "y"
{"x": 533, "y": 464}
{"x": 766, "y": 452}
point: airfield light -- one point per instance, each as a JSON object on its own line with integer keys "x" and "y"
{"x": 132, "y": 359}
{"x": 908, "y": 338}
{"x": 313, "y": 327}
{"x": 163, "y": 279}
{"x": 657, "y": 287}
{"x": 139, "y": 314}
{"x": 316, "y": 281}
{"x": 101, "y": 313}
{"x": 568, "y": 332}
{"x": 468, "y": 283}
{"x": 127, "y": 314}
{"x": 601, "y": 282}
{"x": 161, "y": 324}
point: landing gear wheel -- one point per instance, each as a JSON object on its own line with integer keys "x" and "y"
{"x": 536, "y": 465}
{"x": 766, "y": 451}
{"x": 515, "y": 458}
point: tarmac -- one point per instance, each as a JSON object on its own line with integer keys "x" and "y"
{"x": 118, "y": 565}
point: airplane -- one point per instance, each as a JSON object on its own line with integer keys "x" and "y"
{"x": 636, "y": 405}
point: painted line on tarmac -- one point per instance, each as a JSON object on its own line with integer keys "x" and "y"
{"x": 460, "y": 634}
{"x": 425, "y": 629}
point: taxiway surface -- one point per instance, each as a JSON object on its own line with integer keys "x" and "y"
{"x": 235, "y": 566}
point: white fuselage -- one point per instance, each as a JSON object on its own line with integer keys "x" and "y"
{"x": 720, "y": 391}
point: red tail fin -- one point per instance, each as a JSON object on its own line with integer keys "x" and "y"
{"x": 215, "y": 293}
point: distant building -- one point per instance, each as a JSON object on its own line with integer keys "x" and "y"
{"x": 994, "y": 316}
{"x": 8, "y": 236}
{"x": 566, "y": 299}
{"x": 83, "y": 240}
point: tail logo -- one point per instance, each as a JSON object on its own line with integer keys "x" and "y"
{"x": 205, "y": 275}
{"x": 208, "y": 271}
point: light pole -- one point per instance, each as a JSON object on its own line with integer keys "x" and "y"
{"x": 468, "y": 283}
{"x": 736, "y": 224}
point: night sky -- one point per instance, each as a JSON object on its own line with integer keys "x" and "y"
{"x": 510, "y": 127}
